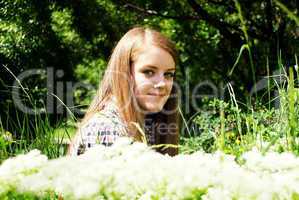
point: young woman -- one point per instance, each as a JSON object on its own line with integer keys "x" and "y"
{"x": 137, "y": 96}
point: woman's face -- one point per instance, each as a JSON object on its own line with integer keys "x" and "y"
{"x": 153, "y": 72}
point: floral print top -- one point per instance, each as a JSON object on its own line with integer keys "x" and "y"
{"x": 102, "y": 128}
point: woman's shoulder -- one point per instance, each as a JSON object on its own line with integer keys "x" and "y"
{"x": 101, "y": 123}
{"x": 102, "y": 127}
{"x": 107, "y": 120}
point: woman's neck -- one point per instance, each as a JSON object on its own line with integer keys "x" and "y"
{"x": 141, "y": 118}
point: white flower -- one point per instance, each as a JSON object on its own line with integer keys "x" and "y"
{"x": 134, "y": 171}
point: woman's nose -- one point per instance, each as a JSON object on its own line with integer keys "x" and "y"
{"x": 160, "y": 81}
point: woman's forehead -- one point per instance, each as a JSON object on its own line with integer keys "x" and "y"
{"x": 155, "y": 57}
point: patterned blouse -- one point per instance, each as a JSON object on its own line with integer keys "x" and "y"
{"x": 102, "y": 128}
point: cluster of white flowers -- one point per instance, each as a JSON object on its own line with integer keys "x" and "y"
{"x": 134, "y": 171}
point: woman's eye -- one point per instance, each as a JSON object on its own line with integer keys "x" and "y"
{"x": 148, "y": 72}
{"x": 169, "y": 74}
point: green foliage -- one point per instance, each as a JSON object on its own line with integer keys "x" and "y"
{"x": 196, "y": 194}
{"x": 32, "y": 131}
{"x": 90, "y": 72}
{"x": 62, "y": 25}
{"x": 78, "y": 38}
{"x": 244, "y": 129}
{"x": 15, "y": 195}
{"x": 208, "y": 35}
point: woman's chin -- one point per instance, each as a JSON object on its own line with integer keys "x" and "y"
{"x": 152, "y": 108}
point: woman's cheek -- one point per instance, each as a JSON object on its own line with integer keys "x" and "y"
{"x": 169, "y": 86}
{"x": 145, "y": 86}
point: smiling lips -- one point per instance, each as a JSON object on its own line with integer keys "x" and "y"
{"x": 157, "y": 94}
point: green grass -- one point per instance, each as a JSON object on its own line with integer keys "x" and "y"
{"x": 35, "y": 131}
{"x": 52, "y": 141}
{"x": 235, "y": 127}
{"x": 228, "y": 127}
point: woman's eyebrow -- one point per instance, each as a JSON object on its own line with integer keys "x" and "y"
{"x": 155, "y": 67}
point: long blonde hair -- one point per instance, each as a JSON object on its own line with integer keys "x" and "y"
{"x": 116, "y": 83}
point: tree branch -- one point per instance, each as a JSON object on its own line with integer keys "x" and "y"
{"x": 155, "y": 13}
{"x": 220, "y": 25}
{"x": 226, "y": 29}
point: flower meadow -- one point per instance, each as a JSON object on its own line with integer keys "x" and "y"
{"x": 129, "y": 170}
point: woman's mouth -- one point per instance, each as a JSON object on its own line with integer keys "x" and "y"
{"x": 157, "y": 94}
